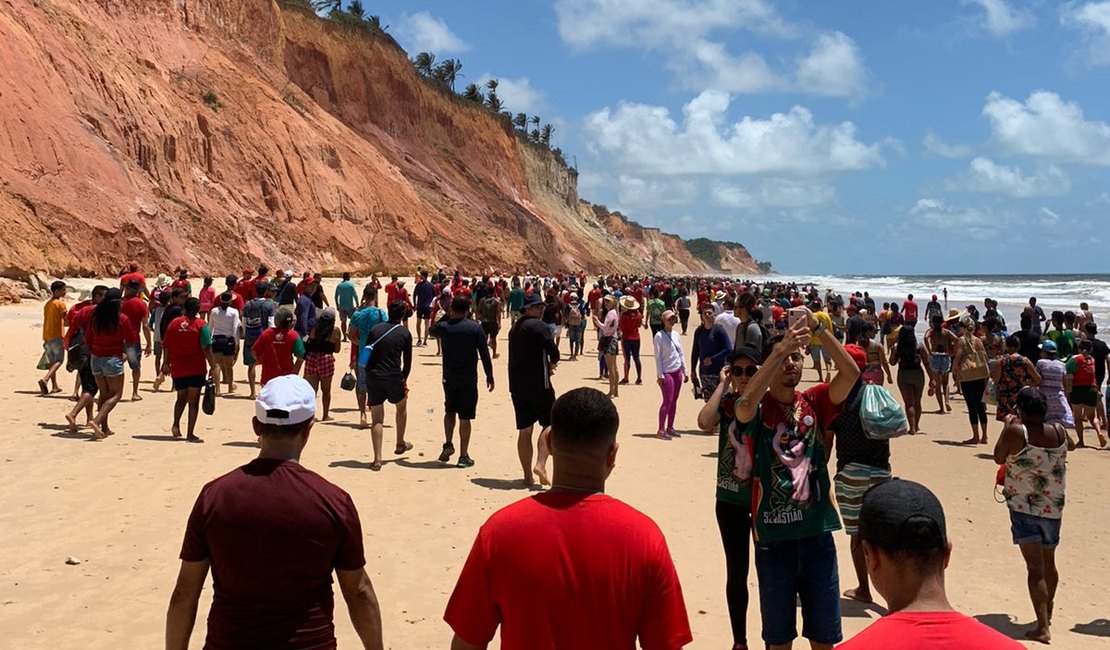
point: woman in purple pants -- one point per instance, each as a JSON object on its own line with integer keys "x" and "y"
{"x": 670, "y": 371}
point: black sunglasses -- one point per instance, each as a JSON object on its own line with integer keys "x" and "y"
{"x": 749, "y": 371}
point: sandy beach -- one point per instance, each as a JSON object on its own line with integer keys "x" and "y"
{"x": 120, "y": 507}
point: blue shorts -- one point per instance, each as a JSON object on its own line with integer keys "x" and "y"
{"x": 107, "y": 366}
{"x": 360, "y": 374}
{"x": 805, "y": 570}
{"x": 248, "y": 356}
{"x": 134, "y": 353}
{"x": 55, "y": 350}
{"x": 818, "y": 351}
{"x": 1031, "y": 529}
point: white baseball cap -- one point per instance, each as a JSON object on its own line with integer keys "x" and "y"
{"x": 285, "y": 400}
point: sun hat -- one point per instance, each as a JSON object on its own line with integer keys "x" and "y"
{"x": 670, "y": 315}
{"x": 285, "y": 400}
{"x": 953, "y": 314}
{"x": 628, "y": 303}
{"x": 162, "y": 280}
{"x": 720, "y": 295}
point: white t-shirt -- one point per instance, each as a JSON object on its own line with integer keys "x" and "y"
{"x": 224, "y": 322}
{"x": 668, "y": 353}
{"x": 729, "y": 321}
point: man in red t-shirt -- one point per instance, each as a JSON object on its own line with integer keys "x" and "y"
{"x": 273, "y": 532}
{"x": 188, "y": 344}
{"x": 244, "y": 287}
{"x": 572, "y": 567}
{"x": 902, "y": 526}
{"x": 136, "y": 309}
{"x": 276, "y": 347}
{"x": 909, "y": 311}
{"x": 134, "y": 275}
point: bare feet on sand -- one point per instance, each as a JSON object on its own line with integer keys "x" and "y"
{"x": 541, "y": 473}
{"x": 97, "y": 434}
{"x": 859, "y": 595}
{"x": 1040, "y": 635}
{"x": 72, "y": 423}
{"x": 176, "y": 431}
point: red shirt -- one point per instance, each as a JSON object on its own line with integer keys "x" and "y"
{"x": 77, "y": 317}
{"x": 137, "y": 312}
{"x": 638, "y": 294}
{"x": 274, "y": 349}
{"x": 237, "y": 302}
{"x": 302, "y": 284}
{"x": 390, "y": 293}
{"x": 185, "y": 340}
{"x": 108, "y": 344}
{"x": 1084, "y": 370}
{"x": 595, "y": 299}
{"x": 127, "y": 277}
{"x": 570, "y": 570}
{"x": 629, "y": 324}
{"x": 274, "y": 532}
{"x": 909, "y": 310}
{"x": 244, "y": 288}
{"x": 929, "y": 631}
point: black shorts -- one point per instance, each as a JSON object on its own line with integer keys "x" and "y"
{"x": 224, "y": 346}
{"x": 491, "y": 329}
{"x": 378, "y": 394}
{"x": 193, "y": 381}
{"x": 461, "y": 399}
{"x": 533, "y": 407}
{"x": 423, "y": 313}
{"x": 88, "y": 380}
{"x": 1084, "y": 396}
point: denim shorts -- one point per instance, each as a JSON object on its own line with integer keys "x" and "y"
{"x": 134, "y": 352}
{"x": 805, "y": 570}
{"x": 107, "y": 366}
{"x": 55, "y": 350}
{"x": 1031, "y": 529}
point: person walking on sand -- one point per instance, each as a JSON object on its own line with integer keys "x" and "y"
{"x": 734, "y": 496}
{"x": 489, "y": 314}
{"x": 1012, "y": 373}
{"x": 572, "y": 567}
{"x": 76, "y": 344}
{"x": 1084, "y": 392}
{"x": 53, "y": 343}
{"x": 972, "y": 372}
{"x": 258, "y": 316}
{"x": 226, "y": 333}
{"x": 277, "y": 347}
{"x": 939, "y": 343}
{"x": 670, "y": 373}
{"x": 631, "y": 319}
{"x": 861, "y": 463}
{"x": 464, "y": 343}
{"x": 188, "y": 342}
{"x": 362, "y": 321}
{"x": 311, "y": 529}
{"x": 906, "y": 546}
{"x": 108, "y": 332}
{"x": 321, "y": 346}
{"x": 424, "y": 294}
{"x": 387, "y": 373}
{"x": 533, "y": 357}
{"x": 1034, "y": 452}
{"x": 346, "y": 300}
{"x": 138, "y": 314}
{"x": 1053, "y": 373}
{"x": 608, "y": 326}
{"x": 709, "y": 354}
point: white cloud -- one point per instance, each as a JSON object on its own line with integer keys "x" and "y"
{"x": 1047, "y": 126}
{"x": 986, "y": 176}
{"x": 636, "y": 194}
{"x": 683, "y": 31}
{"x": 423, "y": 32}
{"x": 934, "y": 145}
{"x": 1093, "y": 19}
{"x": 972, "y": 222}
{"x": 518, "y": 94}
{"x": 647, "y": 139}
{"x": 773, "y": 193}
{"x": 1001, "y": 18}
{"x": 834, "y": 67}
{"x": 1048, "y": 217}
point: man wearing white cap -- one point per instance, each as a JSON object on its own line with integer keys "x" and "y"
{"x": 272, "y": 532}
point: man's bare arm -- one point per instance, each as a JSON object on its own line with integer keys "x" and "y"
{"x": 182, "y": 612}
{"x": 362, "y": 605}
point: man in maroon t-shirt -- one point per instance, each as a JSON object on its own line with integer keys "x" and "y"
{"x": 273, "y": 532}
{"x": 572, "y": 567}
{"x": 905, "y": 541}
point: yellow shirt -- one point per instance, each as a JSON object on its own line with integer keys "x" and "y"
{"x": 53, "y": 316}
{"x": 823, "y": 317}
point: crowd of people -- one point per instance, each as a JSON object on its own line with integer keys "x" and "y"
{"x": 750, "y": 342}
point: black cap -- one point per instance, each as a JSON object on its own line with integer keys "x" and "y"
{"x": 532, "y": 300}
{"x": 747, "y": 352}
{"x": 902, "y": 515}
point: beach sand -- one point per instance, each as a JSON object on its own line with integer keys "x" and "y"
{"x": 120, "y": 506}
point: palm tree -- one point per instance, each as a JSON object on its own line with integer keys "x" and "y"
{"x": 546, "y": 133}
{"x": 375, "y": 22}
{"x": 492, "y": 85}
{"x": 423, "y": 63}
{"x": 447, "y": 72}
{"x": 473, "y": 94}
{"x": 520, "y": 121}
{"x": 327, "y": 6}
{"x": 493, "y": 102}
{"x": 535, "y": 121}
{"x": 534, "y": 136}
{"x": 355, "y": 10}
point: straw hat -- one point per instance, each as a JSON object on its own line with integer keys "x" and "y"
{"x": 954, "y": 314}
{"x": 162, "y": 280}
{"x": 628, "y": 303}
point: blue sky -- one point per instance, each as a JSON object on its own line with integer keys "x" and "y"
{"x": 961, "y": 136}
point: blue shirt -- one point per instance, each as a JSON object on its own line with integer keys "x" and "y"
{"x": 306, "y": 315}
{"x": 424, "y": 293}
{"x": 364, "y": 320}
{"x": 712, "y": 344}
{"x": 346, "y": 295}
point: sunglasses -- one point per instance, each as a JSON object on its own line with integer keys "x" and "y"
{"x": 741, "y": 371}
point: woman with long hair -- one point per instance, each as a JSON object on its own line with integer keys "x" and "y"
{"x": 607, "y": 328}
{"x": 939, "y": 343}
{"x": 972, "y": 372}
{"x": 877, "y": 365}
{"x": 1012, "y": 373}
{"x": 226, "y": 325}
{"x": 319, "y": 367}
{"x": 108, "y": 331}
{"x": 913, "y": 370}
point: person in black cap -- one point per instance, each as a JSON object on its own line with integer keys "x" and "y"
{"x": 906, "y": 544}
{"x": 533, "y": 356}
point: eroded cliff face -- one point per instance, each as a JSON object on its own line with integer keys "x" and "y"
{"x": 216, "y": 133}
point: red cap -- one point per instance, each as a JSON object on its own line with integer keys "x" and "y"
{"x": 248, "y": 271}
{"x": 858, "y": 355}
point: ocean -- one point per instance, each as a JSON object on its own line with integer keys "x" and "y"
{"x": 1053, "y": 292}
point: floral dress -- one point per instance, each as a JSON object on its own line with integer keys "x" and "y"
{"x": 1012, "y": 378}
